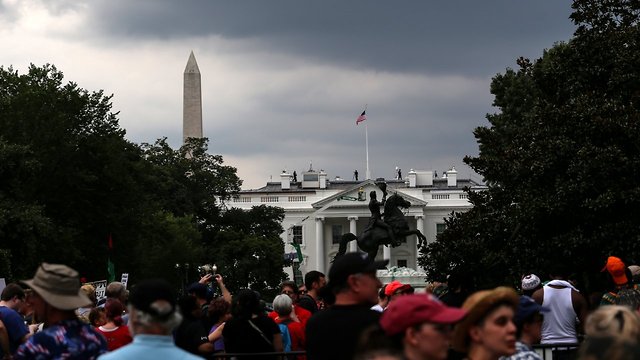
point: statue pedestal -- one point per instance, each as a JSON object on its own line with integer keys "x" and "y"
{"x": 415, "y": 278}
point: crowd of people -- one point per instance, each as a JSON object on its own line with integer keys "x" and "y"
{"x": 350, "y": 316}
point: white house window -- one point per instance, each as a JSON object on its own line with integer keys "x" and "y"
{"x": 402, "y": 263}
{"x": 296, "y": 234}
{"x": 440, "y": 228}
{"x": 336, "y": 233}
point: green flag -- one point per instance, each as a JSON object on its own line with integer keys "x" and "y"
{"x": 110, "y": 267}
{"x": 111, "y": 270}
{"x": 298, "y": 251}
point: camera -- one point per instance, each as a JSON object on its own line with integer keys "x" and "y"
{"x": 207, "y": 269}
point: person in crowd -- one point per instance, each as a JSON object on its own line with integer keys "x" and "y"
{"x": 458, "y": 288}
{"x": 488, "y": 331}
{"x": 250, "y": 330}
{"x": 202, "y": 295}
{"x": 299, "y": 314}
{"x": 97, "y": 317}
{"x": 284, "y": 330}
{"x": 26, "y": 310}
{"x": 219, "y": 313}
{"x": 4, "y": 342}
{"x": 396, "y": 289}
{"x": 635, "y": 274}
{"x": 630, "y": 298}
{"x": 313, "y": 281}
{"x": 353, "y": 281}
{"x": 83, "y": 312}
{"x": 302, "y": 290}
{"x": 608, "y": 348}
{"x": 192, "y": 335}
{"x": 11, "y": 300}
{"x": 383, "y": 300}
{"x": 565, "y": 304}
{"x": 530, "y": 284}
{"x": 114, "y": 330}
{"x": 615, "y": 321}
{"x": 613, "y": 333}
{"x": 420, "y": 326}
{"x": 620, "y": 277}
{"x": 117, "y": 290}
{"x": 54, "y": 297}
{"x": 154, "y": 315}
{"x": 528, "y": 322}
{"x": 283, "y": 306}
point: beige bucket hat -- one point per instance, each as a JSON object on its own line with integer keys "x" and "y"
{"x": 59, "y": 286}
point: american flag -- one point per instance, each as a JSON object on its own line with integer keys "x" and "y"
{"x": 361, "y": 118}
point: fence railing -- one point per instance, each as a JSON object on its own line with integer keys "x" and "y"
{"x": 291, "y": 355}
{"x": 546, "y": 351}
{"x": 561, "y": 351}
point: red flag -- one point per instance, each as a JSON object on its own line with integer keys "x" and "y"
{"x": 361, "y": 118}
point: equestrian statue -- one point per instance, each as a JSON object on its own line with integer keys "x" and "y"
{"x": 388, "y": 229}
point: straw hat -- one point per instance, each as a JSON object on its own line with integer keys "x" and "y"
{"x": 478, "y": 305}
{"x": 59, "y": 286}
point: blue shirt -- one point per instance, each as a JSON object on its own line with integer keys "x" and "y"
{"x": 67, "y": 339}
{"x": 150, "y": 347}
{"x": 15, "y": 326}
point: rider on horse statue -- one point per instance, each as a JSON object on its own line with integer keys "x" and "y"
{"x": 376, "y": 216}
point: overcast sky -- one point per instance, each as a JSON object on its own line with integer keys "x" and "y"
{"x": 283, "y": 81}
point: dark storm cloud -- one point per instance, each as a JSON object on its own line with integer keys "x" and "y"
{"x": 468, "y": 37}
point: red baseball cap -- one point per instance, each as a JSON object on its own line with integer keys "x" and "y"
{"x": 415, "y": 309}
{"x": 395, "y": 286}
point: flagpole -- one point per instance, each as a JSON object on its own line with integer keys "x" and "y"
{"x": 366, "y": 141}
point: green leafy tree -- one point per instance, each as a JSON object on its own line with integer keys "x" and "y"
{"x": 79, "y": 182}
{"x": 69, "y": 181}
{"x": 248, "y": 249}
{"x": 561, "y": 158}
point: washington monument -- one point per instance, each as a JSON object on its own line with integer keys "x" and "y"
{"x": 192, "y": 101}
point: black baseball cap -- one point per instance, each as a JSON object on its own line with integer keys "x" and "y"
{"x": 350, "y": 264}
{"x": 147, "y": 292}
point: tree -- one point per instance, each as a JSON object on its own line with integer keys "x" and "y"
{"x": 248, "y": 249}
{"x": 78, "y": 183}
{"x": 69, "y": 181}
{"x": 561, "y": 158}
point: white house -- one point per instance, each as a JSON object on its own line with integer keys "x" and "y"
{"x": 318, "y": 211}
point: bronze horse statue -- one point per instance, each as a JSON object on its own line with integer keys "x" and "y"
{"x": 370, "y": 240}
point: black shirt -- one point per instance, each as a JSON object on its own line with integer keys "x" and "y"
{"x": 308, "y": 303}
{"x": 240, "y": 337}
{"x": 190, "y": 335}
{"x": 334, "y": 333}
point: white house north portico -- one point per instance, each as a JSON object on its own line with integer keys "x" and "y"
{"x": 318, "y": 211}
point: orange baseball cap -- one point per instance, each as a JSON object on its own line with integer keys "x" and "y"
{"x": 616, "y": 268}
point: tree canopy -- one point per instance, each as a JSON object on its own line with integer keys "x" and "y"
{"x": 560, "y": 158}
{"x": 70, "y": 180}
